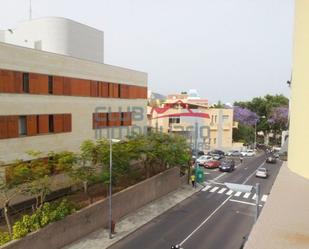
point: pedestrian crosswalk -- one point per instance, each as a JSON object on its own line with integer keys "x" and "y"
{"x": 226, "y": 191}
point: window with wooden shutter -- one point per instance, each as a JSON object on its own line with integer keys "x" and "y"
{"x": 94, "y": 89}
{"x": 124, "y": 91}
{"x": 67, "y": 122}
{"x": 10, "y": 81}
{"x": 104, "y": 89}
{"x": 43, "y": 124}
{"x": 114, "y": 119}
{"x": 3, "y": 127}
{"x": 58, "y": 123}
{"x": 32, "y": 128}
{"x": 80, "y": 87}
{"x": 58, "y": 85}
{"x": 126, "y": 118}
{"x": 99, "y": 120}
{"x": 38, "y": 83}
{"x": 12, "y": 122}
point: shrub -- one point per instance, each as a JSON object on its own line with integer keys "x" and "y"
{"x": 4, "y": 238}
{"x": 48, "y": 213}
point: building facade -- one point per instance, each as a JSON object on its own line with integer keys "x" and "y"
{"x": 58, "y": 35}
{"x": 204, "y": 127}
{"x": 51, "y": 102}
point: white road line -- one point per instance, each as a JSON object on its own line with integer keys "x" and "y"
{"x": 253, "y": 173}
{"x": 229, "y": 192}
{"x": 238, "y": 193}
{"x": 196, "y": 229}
{"x": 246, "y": 195}
{"x": 221, "y": 191}
{"x": 244, "y": 202}
{"x": 206, "y": 188}
{"x": 214, "y": 189}
{"x": 264, "y": 198}
{"x": 254, "y": 197}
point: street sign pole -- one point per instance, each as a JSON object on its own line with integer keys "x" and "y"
{"x": 257, "y": 192}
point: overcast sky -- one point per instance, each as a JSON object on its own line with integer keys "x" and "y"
{"x": 226, "y": 49}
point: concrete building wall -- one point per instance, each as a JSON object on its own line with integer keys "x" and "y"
{"x": 59, "y": 35}
{"x": 81, "y": 108}
{"x": 299, "y": 132}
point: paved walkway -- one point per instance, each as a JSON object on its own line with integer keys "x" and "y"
{"x": 284, "y": 221}
{"x": 99, "y": 239}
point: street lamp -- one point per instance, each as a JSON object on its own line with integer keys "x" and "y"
{"x": 111, "y": 141}
{"x": 247, "y": 189}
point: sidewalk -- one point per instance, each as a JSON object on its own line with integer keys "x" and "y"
{"x": 284, "y": 221}
{"x": 100, "y": 239}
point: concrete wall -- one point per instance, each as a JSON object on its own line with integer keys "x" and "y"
{"x": 75, "y": 226}
{"x": 299, "y": 132}
{"x": 59, "y": 35}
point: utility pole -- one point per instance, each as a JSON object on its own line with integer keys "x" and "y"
{"x": 257, "y": 192}
{"x": 30, "y": 9}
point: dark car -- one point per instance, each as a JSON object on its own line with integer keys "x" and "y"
{"x": 271, "y": 159}
{"x": 227, "y": 166}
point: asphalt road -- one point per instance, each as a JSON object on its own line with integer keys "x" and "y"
{"x": 213, "y": 218}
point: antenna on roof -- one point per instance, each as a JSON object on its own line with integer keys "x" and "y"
{"x": 30, "y": 9}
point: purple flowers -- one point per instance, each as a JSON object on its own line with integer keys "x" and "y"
{"x": 279, "y": 116}
{"x": 245, "y": 116}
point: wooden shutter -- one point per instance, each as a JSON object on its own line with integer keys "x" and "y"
{"x": 38, "y": 83}
{"x": 113, "y": 90}
{"x": 12, "y": 122}
{"x": 3, "y": 127}
{"x": 67, "y": 86}
{"x": 32, "y": 128}
{"x": 10, "y": 81}
{"x": 43, "y": 124}
{"x": 58, "y": 85}
{"x": 58, "y": 123}
{"x": 94, "y": 89}
{"x": 67, "y": 122}
{"x": 124, "y": 91}
{"x": 104, "y": 89}
{"x": 99, "y": 120}
{"x": 80, "y": 87}
{"x": 114, "y": 119}
{"x": 127, "y": 118}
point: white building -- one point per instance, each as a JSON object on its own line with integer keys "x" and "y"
{"x": 58, "y": 35}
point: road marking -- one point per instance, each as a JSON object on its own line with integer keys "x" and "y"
{"x": 245, "y": 202}
{"x": 196, "y": 229}
{"x": 214, "y": 189}
{"x": 229, "y": 192}
{"x": 254, "y": 197}
{"x": 222, "y": 190}
{"x": 253, "y": 173}
{"x": 238, "y": 193}
{"x": 246, "y": 195}
{"x": 206, "y": 188}
{"x": 264, "y": 198}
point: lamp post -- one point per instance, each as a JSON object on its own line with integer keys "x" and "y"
{"x": 111, "y": 141}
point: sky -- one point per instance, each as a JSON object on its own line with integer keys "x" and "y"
{"x": 226, "y": 49}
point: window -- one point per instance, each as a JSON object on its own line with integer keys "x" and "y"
{"x": 25, "y": 82}
{"x": 174, "y": 120}
{"x": 215, "y": 118}
{"x": 50, "y": 84}
{"x": 51, "y": 123}
{"x": 215, "y": 140}
{"x": 225, "y": 117}
{"x": 22, "y": 126}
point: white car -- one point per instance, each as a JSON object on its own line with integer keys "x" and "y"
{"x": 248, "y": 153}
{"x": 261, "y": 172}
{"x": 203, "y": 159}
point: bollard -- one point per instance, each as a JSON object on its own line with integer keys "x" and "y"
{"x": 113, "y": 227}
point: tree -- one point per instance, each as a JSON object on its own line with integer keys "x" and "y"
{"x": 245, "y": 116}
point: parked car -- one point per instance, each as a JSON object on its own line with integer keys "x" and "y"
{"x": 233, "y": 153}
{"x": 216, "y": 154}
{"x": 271, "y": 159}
{"x": 227, "y": 165}
{"x": 203, "y": 159}
{"x": 261, "y": 172}
{"x": 199, "y": 154}
{"x": 248, "y": 153}
{"x": 212, "y": 164}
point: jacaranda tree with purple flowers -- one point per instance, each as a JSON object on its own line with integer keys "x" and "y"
{"x": 279, "y": 118}
{"x": 245, "y": 116}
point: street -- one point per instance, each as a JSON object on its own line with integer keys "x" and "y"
{"x": 214, "y": 218}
